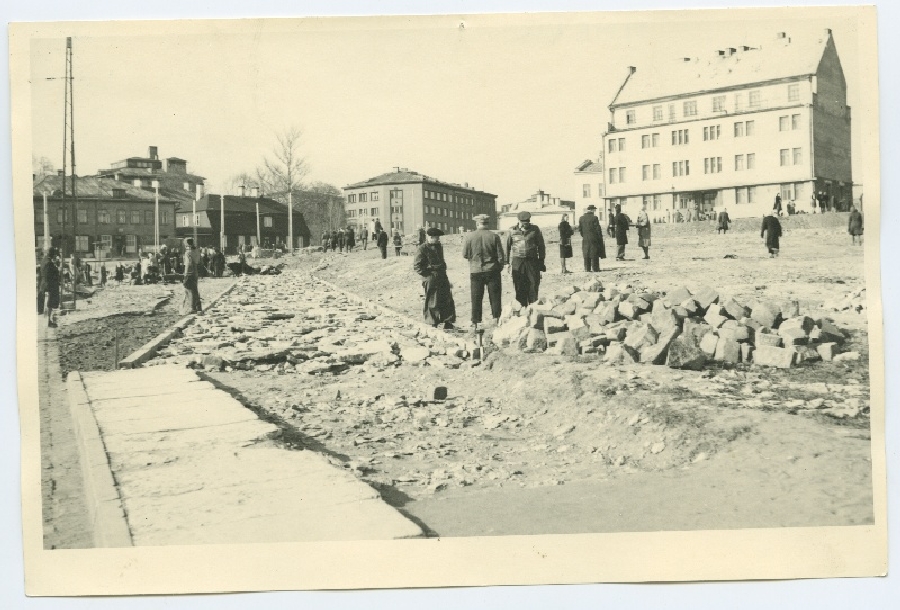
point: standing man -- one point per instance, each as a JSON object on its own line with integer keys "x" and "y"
{"x": 622, "y": 226}
{"x": 643, "y": 227}
{"x": 421, "y": 235}
{"x": 326, "y": 239}
{"x": 398, "y": 242}
{"x": 439, "y": 307}
{"x": 351, "y": 239}
{"x": 525, "y": 249}
{"x": 192, "y": 264}
{"x": 484, "y": 251}
{"x": 771, "y": 230}
{"x": 776, "y": 207}
{"x": 724, "y": 221}
{"x": 381, "y": 241}
{"x": 364, "y": 237}
{"x": 50, "y": 284}
{"x": 592, "y": 249}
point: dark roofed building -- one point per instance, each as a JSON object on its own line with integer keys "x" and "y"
{"x": 174, "y": 179}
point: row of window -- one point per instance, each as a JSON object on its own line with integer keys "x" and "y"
{"x": 448, "y": 213}
{"x": 104, "y": 217}
{"x": 788, "y": 122}
{"x": 586, "y": 191}
{"x": 362, "y": 197}
{"x": 689, "y": 107}
{"x": 711, "y": 165}
{"x": 449, "y": 197}
{"x": 681, "y": 137}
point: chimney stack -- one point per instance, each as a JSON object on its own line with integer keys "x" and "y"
{"x": 254, "y": 191}
{"x": 152, "y": 152}
{"x": 59, "y": 173}
{"x": 199, "y": 191}
{"x": 243, "y": 190}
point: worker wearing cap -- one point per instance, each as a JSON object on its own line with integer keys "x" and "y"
{"x": 484, "y": 251}
{"x": 439, "y": 307}
{"x": 592, "y": 249}
{"x": 526, "y": 252}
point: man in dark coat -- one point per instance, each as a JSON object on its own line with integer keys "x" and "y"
{"x": 525, "y": 251}
{"x": 439, "y": 307}
{"x": 49, "y": 285}
{"x": 364, "y": 237}
{"x": 326, "y": 241}
{"x": 592, "y": 249}
{"x": 422, "y": 234}
{"x": 724, "y": 221}
{"x": 381, "y": 240}
{"x": 484, "y": 251}
{"x": 771, "y": 230}
{"x": 351, "y": 239}
{"x": 334, "y": 241}
{"x": 622, "y": 226}
{"x": 776, "y": 207}
{"x": 855, "y": 226}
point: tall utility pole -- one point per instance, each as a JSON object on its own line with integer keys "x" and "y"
{"x": 69, "y": 125}
{"x": 156, "y": 220}
{"x": 291, "y": 221}
{"x": 221, "y": 222}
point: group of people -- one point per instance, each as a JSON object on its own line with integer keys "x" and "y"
{"x": 344, "y": 238}
{"x": 592, "y": 246}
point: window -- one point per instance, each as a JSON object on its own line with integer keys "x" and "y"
{"x": 739, "y": 129}
{"x": 361, "y": 212}
{"x": 612, "y": 175}
{"x": 751, "y": 160}
{"x": 106, "y": 242}
{"x": 185, "y": 220}
{"x": 362, "y": 197}
{"x": 121, "y": 217}
{"x": 783, "y": 124}
{"x": 712, "y": 132}
{"x": 785, "y": 156}
{"x": 657, "y": 202}
{"x": 712, "y": 165}
{"x": 599, "y": 191}
{"x": 671, "y": 112}
{"x": 681, "y": 168}
{"x": 103, "y": 217}
{"x": 646, "y": 200}
{"x": 373, "y": 196}
{"x": 797, "y": 156}
{"x": 794, "y": 93}
{"x": 629, "y": 117}
{"x": 679, "y": 137}
{"x": 443, "y": 196}
{"x": 81, "y": 243}
{"x": 738, "y": 102}
{"x": 740, "y": 195}
{"x": 135, "y": 217}
{"x": 795, "y": 121}
{"x": 645, "y": 172}
{"x": 657, "y": 113}
{"x": 751, "y": 194}
{"x": 374, "y": 211}
{"x": 657, "y": 173}
{"x": 164, "y": 217}
{"x": 690, "y": 108}
{"x": 749, "y": 127}
{"x": 645, "y": 141}
{"x": 754, "y": 99}
{"x": 612, "y": 145}
{"x": 621, "y": 144}
{"x": 738, "y": 163}
{"x": 149, "y": 217}
{"x": 654, "y": 138}
{"x": 351, "y": 198}
{"x": 719, "y": 103}
{"x": 267, "y": 222}
{"x": 82, "y": 216}
{"x": 621, "y": 174}
{"x": 586, "y": 191}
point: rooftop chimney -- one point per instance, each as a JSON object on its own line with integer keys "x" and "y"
{"x": 59, "y": 172}
{"x": 632, "y": 69}
{"x": 199, "y": 191}
{"x": 243, "y": 190}
{"x": 152, "y": 152}
{"x": 254, "y": 191}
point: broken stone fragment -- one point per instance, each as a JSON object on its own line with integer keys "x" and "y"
{"x": 554, "y": 325}
{"x": 641, "y": 336}
{"x": 826, "y": 351}
{"x": 735, "y": 310}
{"x": 781, "y": 357}
{"x": 685, "y": 353}
{"x": 846, "y": 357}
{"x": 767, "y": 340}
{"x": 766, "y": 314}
{"x": 705, "y": 296}
{"x": 536, "y": 340}
{"x": 656, "y": 354}
{"x": 708, "y": 344}
{"x": 727, "y": 350}
{"x": 678, "y": 296}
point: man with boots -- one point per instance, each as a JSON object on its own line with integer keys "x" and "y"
{"x": 526, "y": 252}
{"x": 592, "y": 249}
{"x": 484, "y": 251}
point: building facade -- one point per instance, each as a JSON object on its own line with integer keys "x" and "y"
{"x": 546, "y": 211}
{"x": 406, "y": 200}
{"x": 105, "y": 217}
{"x": 174, "y": 181}
{"x": 243, "y": 225}
{"x": 732, "y": 130}
{"x": 590, "y": 188}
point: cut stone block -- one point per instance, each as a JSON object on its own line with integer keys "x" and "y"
{"x": 827, "y": 351}
{"x": 656, "y": 353}
{"x": 728, "y": 350}
{"x": 793, "y": 335}
{"x": 640, "y": 336}
{"x": 553, "y": 325}
{"x": 708, "y": 344}
{"x": 714, "y": 318}
{"x": 735, "y": 310}
{"x": 746, "y": 352}
{"x": 766, "y": 314}
{"x": 568, "y": 346}
{"x": 803, "y": 322}
{"x": 706, "y": 296}
{"x": 619, "y": 353}
{"x": 607, "y": 311}
{"x": 767, "y": 340}
{"x": 679, "y": 295}
{"x": 627, "y": 310}
{"x": 685, "y": 353}
{"x": 828, "y": 332}
{"x": 535, "y": 340}
{"x": 781, "y": 357}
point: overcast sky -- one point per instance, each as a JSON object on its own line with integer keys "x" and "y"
{"x": 508, "y": 108}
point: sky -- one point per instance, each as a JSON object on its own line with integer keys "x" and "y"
{"x": 507, "y": 107}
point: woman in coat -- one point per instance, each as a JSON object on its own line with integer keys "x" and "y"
{"x": 565, "y": 242}
{"x": 724, "y": 221}
{"x": 398, "y": 242}
{"x": 50, "y": 284}
{"x": 622, "y": 226}
{"x": 439, "y": 307}
{"x": 192, "y": 264}
{"x": 381, "y": 240}
{"x": 643, "y": 227}
{"x": 855, "y": 226}
{"x": 771, "y": 230}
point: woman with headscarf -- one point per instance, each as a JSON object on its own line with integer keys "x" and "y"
{"x": 439, "y": 307}
{"x": 192, "y": 264}
{"x": 643, "y": 226}
{"x": 50, "y": 284}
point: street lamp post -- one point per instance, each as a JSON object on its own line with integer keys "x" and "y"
{"x": 155, "y": 184}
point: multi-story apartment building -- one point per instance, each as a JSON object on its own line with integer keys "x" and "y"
{"x": 546, "y": 211}
{"x": 733, "y": 129}
{"x": 405, "y": 200}
{"x": 590, "y": 189}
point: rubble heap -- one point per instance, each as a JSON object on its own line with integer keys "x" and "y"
{"x": 681, "y": 329}
{"x": 855, "y": 300}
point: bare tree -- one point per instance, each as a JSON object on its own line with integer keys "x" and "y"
{"x": 285, "y": 169}
{"x": 41, "y": 167}
{"x": 246, "y": 179}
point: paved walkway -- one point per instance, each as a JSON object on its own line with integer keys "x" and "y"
{"x": 65, "y": 516}
{"x": 192, "y": 465}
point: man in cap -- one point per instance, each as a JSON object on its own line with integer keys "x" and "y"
{"x": 592, "y": 249}
{"x": 484, "y": 251}
{"x": 525, "y": 249}
{"x": 623, "y": 223}
{"x": 439, "y": 307}
{"x": 192, "y": 262}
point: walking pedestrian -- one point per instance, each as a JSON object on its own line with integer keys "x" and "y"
{"x": 192, "y": 262}
{"x": 429, "y": 263}
{"x": 623, "y": 223}
{"x": 102, "y": 274}
{"x": 592, "y": 249}
{"x": 771, "y": 230}
{"x": 723, "y": 221}
{"x": 342, "y": 239}
{"x": 364, "y": 237}
{"x": 776, "y": 207}
{"x": 643, "y": 227}
{"x": 326, "y": 240}
{"x": 381, "y": 240}
{"x": 398, "y": 242}
{"x": 50, "y": 284}
{"x": 484, "y": 251}
{"x": 565, "y": 242}
{"x": 335, "y": 240}
{"x": 351, "y": 239}
{"x": 855, "y": 226}
{"x": 526, "y": 253}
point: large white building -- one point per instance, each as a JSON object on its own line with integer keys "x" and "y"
{"x": 731, "y": 130}
{"x": 589, "y": 189}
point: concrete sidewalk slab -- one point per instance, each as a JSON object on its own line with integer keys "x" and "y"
{"x": 192, "y": 465}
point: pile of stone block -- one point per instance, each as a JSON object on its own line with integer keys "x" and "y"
{"x": 682, "y": 329}
{"x": 855, "y": 300}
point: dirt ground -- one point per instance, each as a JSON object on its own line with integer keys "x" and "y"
{"x": 532, "y": 443}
